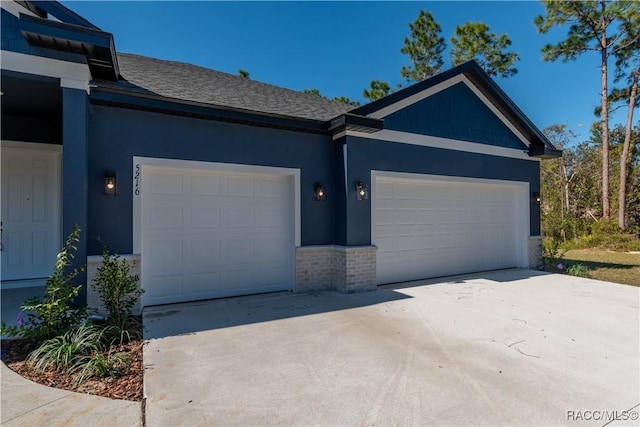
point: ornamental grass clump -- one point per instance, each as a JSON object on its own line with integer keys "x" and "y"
{"x": 82, "y": 353}
{"x": 68, "y": 352}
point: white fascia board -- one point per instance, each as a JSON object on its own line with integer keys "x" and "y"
{"x": 71, "y": 74}
{"x": 444, "y": 143}
{"x": 15, "y": 8}
{"x": 36, "y": 146}
{"x": 460, "y": 78}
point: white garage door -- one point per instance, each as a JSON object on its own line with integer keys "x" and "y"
{"x": 429, "y": 227}
{"x": 207, "y": 234}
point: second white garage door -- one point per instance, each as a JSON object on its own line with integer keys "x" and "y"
{"x": 207, "y": 234}
{"x": 426, "y": 227}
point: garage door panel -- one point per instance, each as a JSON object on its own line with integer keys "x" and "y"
{"x": 207, "y": 216}
{"x": 238, "y": 248}
{"x": 241, "y": 218}
{"x": 221, "y": 233}
{"x": 165, "y": 287}
{"x": 204, "y": 252}
{"x": 384, "y": 216}
{"x": 163, "y": 216}
{"x": 403, "y": 243}
{"x": 163, "y": 184}
{"x": 273, "y": 189}
{"x": 270, "y": 248}
{"x": 402, "y": 192}
{"x": 427, "y": 228}
{"x": 240, "y": 186}
{"x": 164, "y": 254}
{"x": 202, "y": 283}
{"x": 404, "y": 216}
{"x": 270, "y": 218}
{"x": 204, "y": 185}
{"x": 269, "y": 275}
{"x": 384, "y": 244}
{"x": 383, "y": 191}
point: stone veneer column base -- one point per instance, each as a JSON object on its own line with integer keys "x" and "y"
{"x": 354, "y": 268}
{"x": 93, "y": 299}
{"x": 534, "y": 252}
{"x": 343, "y": 268}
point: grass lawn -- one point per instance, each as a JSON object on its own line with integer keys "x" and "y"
{"x": 618, "y": 267}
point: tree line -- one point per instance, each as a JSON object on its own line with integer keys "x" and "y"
{"x": 608, "y": 29}
{"x": 425, "y": 47}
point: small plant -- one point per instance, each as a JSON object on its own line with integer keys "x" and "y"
{"x": 101, "y": 365}
{"x": 52, "y": 314}
{"x": 69, "y": 351}
{"x": 578, "y": 270}
{"x": 118, "y": 334}
{"x": 551, "y": 252}
{"x": 118, "y": 290}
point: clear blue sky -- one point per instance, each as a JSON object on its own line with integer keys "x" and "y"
{"x": 339, "y": 47}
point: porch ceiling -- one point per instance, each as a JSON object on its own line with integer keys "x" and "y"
{"x": 31, "y": 96}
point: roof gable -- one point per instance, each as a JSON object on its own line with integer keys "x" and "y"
{"x": 455, "y": 113}
{"x": 484, "y": 88}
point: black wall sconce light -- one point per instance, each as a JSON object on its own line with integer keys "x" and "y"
{"x": 537, "y": 199}
{"x": 362, "y": 191}
{"x": 320, "y": 193}
{"x": 110, "y": 183}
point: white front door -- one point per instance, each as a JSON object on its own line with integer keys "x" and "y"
{"x": 31, "y": 205}
{"x": 208, "y": 233}
{"x": 430, "y": 227}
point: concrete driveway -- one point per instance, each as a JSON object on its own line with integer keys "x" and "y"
{"x": 513, "y": 347}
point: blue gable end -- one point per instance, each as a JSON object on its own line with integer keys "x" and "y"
{"x": 454, "y": 113}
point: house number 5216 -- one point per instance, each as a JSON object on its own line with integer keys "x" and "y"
{"x": 136, "y": 178}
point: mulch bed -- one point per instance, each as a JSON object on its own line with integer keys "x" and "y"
{"x": 126, "y": 387}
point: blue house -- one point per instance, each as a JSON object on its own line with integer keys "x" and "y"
{"x": 216, "y": 185}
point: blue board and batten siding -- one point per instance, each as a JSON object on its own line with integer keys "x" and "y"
{"x": 117, "y": 135}
{"x": 454, "y": 113}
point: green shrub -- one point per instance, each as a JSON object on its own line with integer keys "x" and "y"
{"x": 606, "y": 234}
{"x": 52, "y": 314}
{"x": 579, "y": 270}
{"x": 551, "y": 252}
{"x": 118, "y": 291}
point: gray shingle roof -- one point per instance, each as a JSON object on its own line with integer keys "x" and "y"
{"x": 189, "y": 82}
